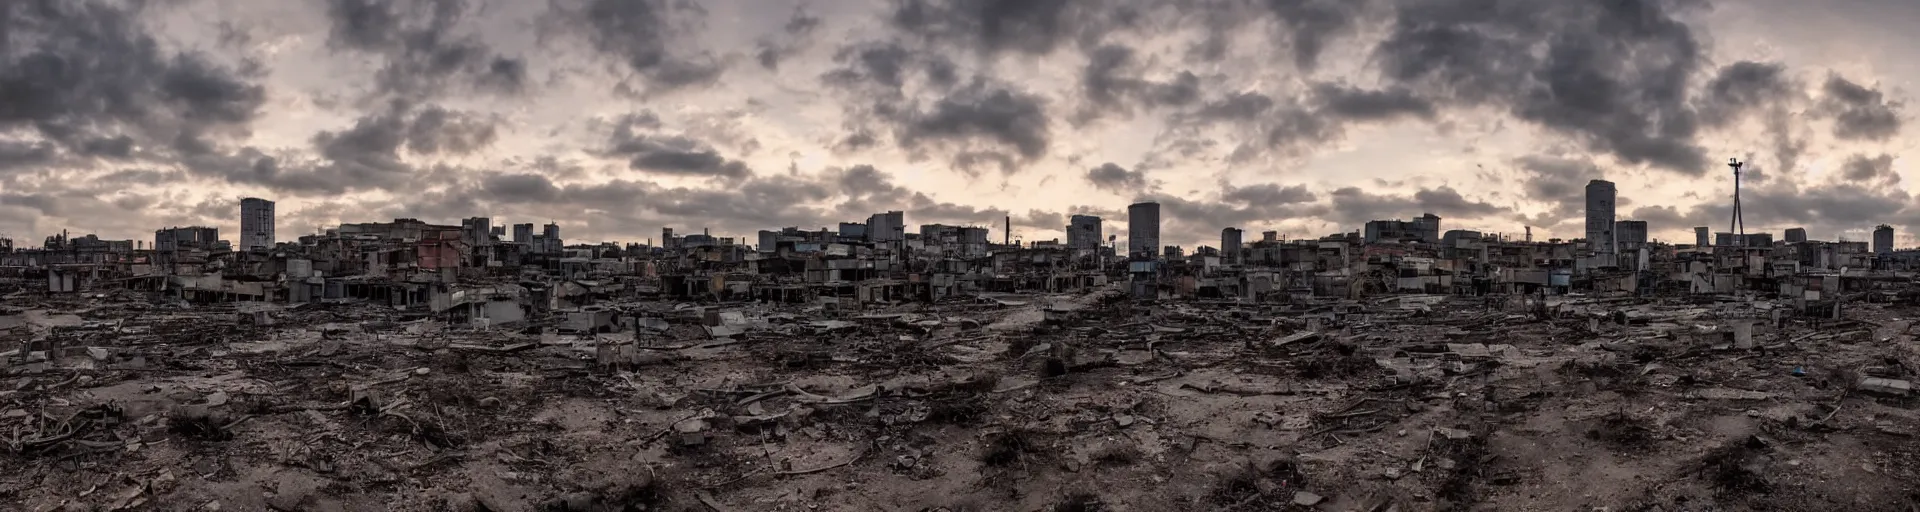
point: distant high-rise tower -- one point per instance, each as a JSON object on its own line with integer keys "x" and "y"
{"x": 1700, "y": 237}
{"x": 256, "y": 224}
{"x": 523, "y": 233}
{"x": 1083, "y": 232}
{"x": 1883, "y": 239}
{"x": 1230, "y": 245}
{"x": 1600, "y": 200}
{"x": 1143, "y": 230}
{"x": 1796, "y": 235}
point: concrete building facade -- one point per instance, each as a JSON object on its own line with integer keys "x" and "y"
{"x": 887, "y": 227}
{"x": 523, "y": 233}
{"x": 1143, "y": 230}
{"x": 256, "y": 224}
{"x": 1700, "y": 235}
{"x": 1796, "y": 235}
{"x": 1883, "y": 239}
{"x": 192, "y": 237}
{"x": 1425, "y": 228}
{"x": 1083, "y": 232}
{"x": 1630, "y": 232}
{"x": 1230, "y": 240}
{"x": 1600, "y": 217}
{"x": 476, "y": 231}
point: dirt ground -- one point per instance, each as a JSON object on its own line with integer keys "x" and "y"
{"x": 1099, "y": 403}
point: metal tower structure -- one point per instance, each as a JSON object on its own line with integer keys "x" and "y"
{"x": 1737, "y": 226}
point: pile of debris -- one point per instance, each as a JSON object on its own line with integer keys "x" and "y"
{"x": 1069, "y": 402}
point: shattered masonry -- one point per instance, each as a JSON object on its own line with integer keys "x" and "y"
{"x": 414, "y": 366}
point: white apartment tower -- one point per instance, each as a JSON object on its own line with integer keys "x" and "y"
{"x": 256, "y": 224}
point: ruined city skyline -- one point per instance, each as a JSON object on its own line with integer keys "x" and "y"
{"x": 619, "y": 118}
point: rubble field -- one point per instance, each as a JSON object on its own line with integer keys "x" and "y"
{"x": 1090, "y": 402}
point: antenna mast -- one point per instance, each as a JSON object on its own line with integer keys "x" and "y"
{"x": 1736, "y": 225}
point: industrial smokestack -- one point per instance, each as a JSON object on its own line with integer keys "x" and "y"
{"x": 1008, "y": 236}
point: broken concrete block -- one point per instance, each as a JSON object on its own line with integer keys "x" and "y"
{"x": 99, "y": 353}
{"x": 1307, "y": 336}
{"x": 1887, "y": 387}
{"x": 652, "y": 324}
{"x": 1470, "y": 350}
{"x": 1742, "y": 333}
{"x": 1307, "y": 499}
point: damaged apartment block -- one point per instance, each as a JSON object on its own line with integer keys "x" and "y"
{"x": 409, "y": 365}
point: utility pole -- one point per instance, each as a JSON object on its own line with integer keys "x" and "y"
{"x": 1736, "y": 225}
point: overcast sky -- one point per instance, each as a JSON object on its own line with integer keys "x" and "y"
{"x": 616, "y": 118}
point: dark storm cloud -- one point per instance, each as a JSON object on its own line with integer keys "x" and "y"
{"x": 635, "y": 139}
{"x": 1659, "y": 217}
{"x": 1550, "y": 179}
{"x": 1242, "y": 106}
{"x": 1557, "y": 182}
{"x": 418, "y": 41}
{"x": 980, "y": 118}
{"x": 368, "y": 152}
{"x": 757, "y": 203}
{"x": 519, "y": 188}
{"x": 769, "y": 51}
{"x": 696, "y": 163}
{"x": 1294, "y": 126}
{"x": 1353, "y": 206}
{"x": 1114, "y": 178}
{"x": 19, "y": 154}
{"x": 1862, "y": 169}
{"x": 88, "y": 77}
{"x": 866, "y": 189}
{"x": 1112, "y": 83}
{"x": 858, "y": 140}
{"x": 1613, "y": 75}
{"x": 1861, "y": 193}
{"x": 1741, "y": 86}
{"x": 1446, "y": 201}
{"x": 1259, "y": 205}
{"x": 364, "y": 156}
{"x": 1041, "y": 219}
{"x": 208, "y": 94}
{"x": 885, "y": 64}
{"x": 436, "y": 129}
{"x": 863, "y": 190}
{"x": 1860, "y": 112}
{"x": 1027, "y": 26}
{"x": 110, "y": 147}
{"x": 140, "y": 177}
{"x": 1369, "y": 105}
{"x": 1308, "y": 26}
{"x": 644, "y": 35}
{"x": 1268, "y": 194}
